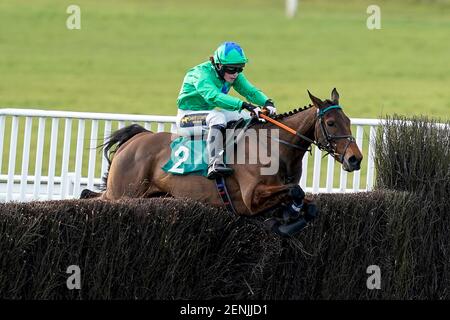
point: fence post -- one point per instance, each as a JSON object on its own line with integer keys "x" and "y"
{"x": 371, "y": 159}
{"x": 291, "y": 8}
{"x": 79, "y": 158}
{"x": 359, "y": 142}
{"x": 39, "y": 153}
{"x": 92, "y": 154}
{"x": 66, "y": 157}
{"x": 12, "y": 158}
{"x": 25, "y": 158}
{"x": 52, "y": 160}
{"x": 2, "y": 135}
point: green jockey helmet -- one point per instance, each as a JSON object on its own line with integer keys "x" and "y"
{"x": 230, "y": 53}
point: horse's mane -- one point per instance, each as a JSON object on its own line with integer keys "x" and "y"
{"x": 281, "y": 116}
{"x": 295, "y": 111}
{"x": 292, "y": 112}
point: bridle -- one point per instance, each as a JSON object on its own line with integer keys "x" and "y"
{"x": 329, "y": 138}
{"x": 326, "y": 145}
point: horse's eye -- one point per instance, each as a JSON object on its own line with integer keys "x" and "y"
{"x": 330, "y": 123}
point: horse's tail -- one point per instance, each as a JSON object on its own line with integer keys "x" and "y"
{"x": 117, "y": 139}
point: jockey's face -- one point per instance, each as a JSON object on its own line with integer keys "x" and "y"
{"x": 230, "y": 77}
{"x": 231, "y": 72}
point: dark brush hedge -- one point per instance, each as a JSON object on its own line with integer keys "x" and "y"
{"x": 180, "y": 249}
{"x": 413, "y": 154}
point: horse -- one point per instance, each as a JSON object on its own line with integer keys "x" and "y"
{"x": 135, "y": 165}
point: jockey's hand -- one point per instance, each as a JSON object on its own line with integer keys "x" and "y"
{"x": 248, "y": 106}
{"x": 270, "y": 106}
{"x": 271, "y": 110}
{"x": 254, "y": 110}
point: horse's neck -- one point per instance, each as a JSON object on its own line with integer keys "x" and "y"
{"x": 304, "y": 123}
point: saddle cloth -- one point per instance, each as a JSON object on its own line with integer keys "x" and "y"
{"x": 188, "y": 156}
{"x": 189, "y": 153}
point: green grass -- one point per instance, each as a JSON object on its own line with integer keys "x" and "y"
{"x": 131, "y": 56}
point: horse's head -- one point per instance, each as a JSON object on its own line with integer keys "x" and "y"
{"x": 333, "y": 132}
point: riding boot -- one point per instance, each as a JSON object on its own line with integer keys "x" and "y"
{"x": 214, "y": 143}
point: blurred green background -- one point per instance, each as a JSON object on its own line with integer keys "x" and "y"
{"x": 130, "y": 56}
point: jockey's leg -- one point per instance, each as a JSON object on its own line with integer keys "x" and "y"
{"x": 216, "y": 121}
{"x": 235, "y": 115}
{"x": 191, "y": 122}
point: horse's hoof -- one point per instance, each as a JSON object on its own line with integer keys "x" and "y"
{"x": 311, "y": 212}
{"x": 88, "y": 194}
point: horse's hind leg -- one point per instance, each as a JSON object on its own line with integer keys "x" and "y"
{"x": 88, "y": 194}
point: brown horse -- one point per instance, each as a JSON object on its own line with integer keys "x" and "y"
{"x": 135, "y": 170}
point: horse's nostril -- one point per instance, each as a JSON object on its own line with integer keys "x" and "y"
{"x": 353, "y": 160}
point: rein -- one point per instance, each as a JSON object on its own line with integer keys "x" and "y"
{"x": 327, "y": 146}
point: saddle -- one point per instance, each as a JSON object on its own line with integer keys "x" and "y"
{"x": 189, "y": 152}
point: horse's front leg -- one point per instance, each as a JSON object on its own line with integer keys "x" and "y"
{"x": 266, "y": 197}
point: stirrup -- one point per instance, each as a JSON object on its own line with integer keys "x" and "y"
{"x": 216, "y": 170}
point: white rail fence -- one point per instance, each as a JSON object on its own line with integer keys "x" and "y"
{"x": 41, "y": 160}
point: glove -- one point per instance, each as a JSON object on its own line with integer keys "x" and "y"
{"x": 272, "y": 110}
{"x": 271, "y": 107}
{"x": 256, "y": 111}
{"x": 253, "y": 109}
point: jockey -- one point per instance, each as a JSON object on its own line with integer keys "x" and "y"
{"x": 204, "y": 100}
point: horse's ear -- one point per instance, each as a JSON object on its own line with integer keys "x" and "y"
{"x": 335, "y": 96}
{"x": 316, "y": 101}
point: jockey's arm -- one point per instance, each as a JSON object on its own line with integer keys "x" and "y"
{"x": 214, "y": 97}
{"x": 249, "y": 91}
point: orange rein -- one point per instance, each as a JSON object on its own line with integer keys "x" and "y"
{"x": 277, "y": 123}
{"x": 288, "y": 129}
